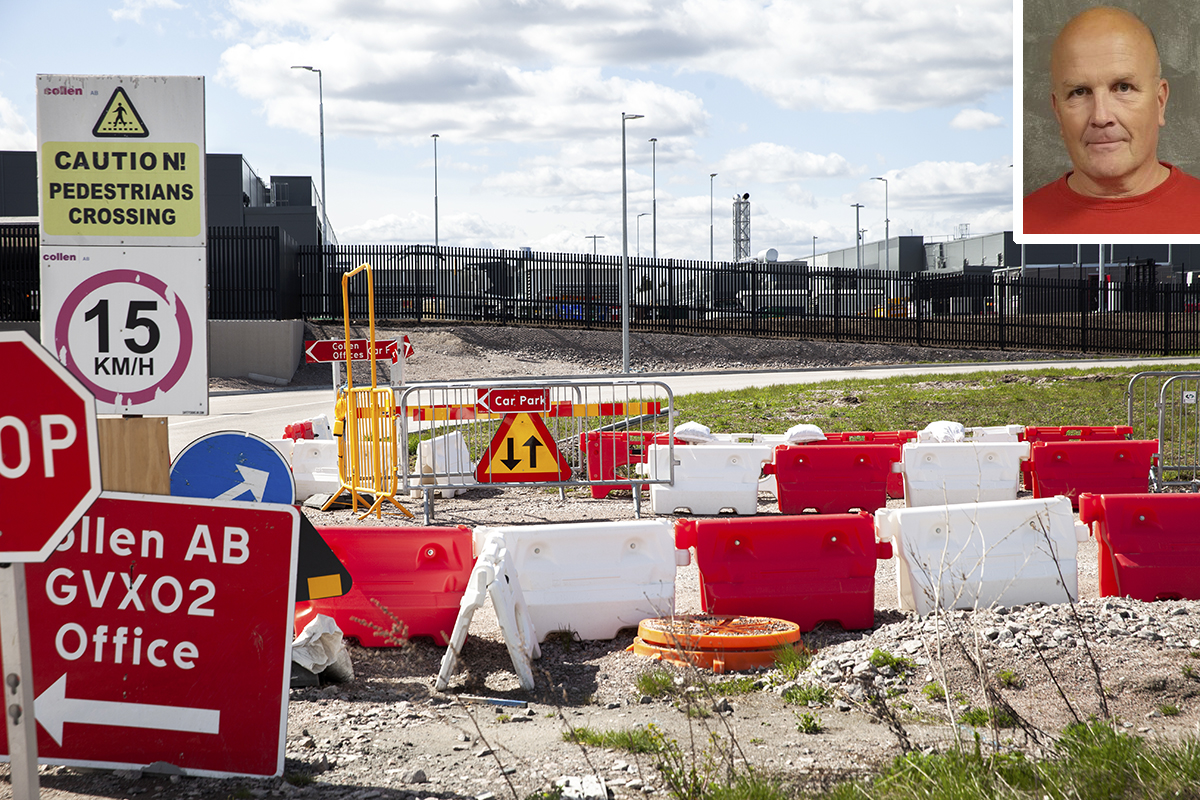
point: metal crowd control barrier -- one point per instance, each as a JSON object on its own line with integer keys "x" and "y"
{"x": 524, "y": 433}
{"x": 1164, "y": 405}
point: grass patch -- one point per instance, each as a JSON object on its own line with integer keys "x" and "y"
{"x": 804, "y": 694}
{"x": 882, "y": 658}
{"x": 1010, "y": 680}
{"x": 656, "y": 683}
{"x": 1168, "y": 709}
{"x": 634, "y": 740}
{"x": 934, "y": 692}
{"x": 809, "y": 722}
{"x": 742, "y": 684}
{"x": 791, "y": 661}
{"x": 986, "y": 718}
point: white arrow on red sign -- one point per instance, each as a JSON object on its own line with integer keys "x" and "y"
{"x": 323, "y": 351}
{"x": 54, "y": 708}
{"x": 522, "y": 400}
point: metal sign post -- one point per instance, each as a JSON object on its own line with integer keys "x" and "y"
{"x": 19, "y": 722}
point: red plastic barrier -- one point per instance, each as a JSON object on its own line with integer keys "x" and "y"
{"x": 805, "y": 569}
{"x": 417, "y": 574}
{"x": 1071, "y": 468}
{"x": 1149, "y": 544}
{"x": 607, "y": 450}
{"x": 832, "y": 478}
{"x": 299, "y": 430}
{"x": 895, "y": 482}
{"x": 1076, "y": 433}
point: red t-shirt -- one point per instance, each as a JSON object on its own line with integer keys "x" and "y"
{"x": 1171, "y": 207}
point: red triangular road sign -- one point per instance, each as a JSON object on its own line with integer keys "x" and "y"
{"x": 522, "y": 451}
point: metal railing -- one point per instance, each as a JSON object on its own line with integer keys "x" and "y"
{"x": 1164, "y": 405}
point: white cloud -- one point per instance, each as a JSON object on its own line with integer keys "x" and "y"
{"x": 766, "y": 162}
{"x": 14, "y": 132}
{"x": 939, "y": 184}
{"x": 466, "y": 230}
{"x": 133, "y": 10}
{"x": 974, "y": 119}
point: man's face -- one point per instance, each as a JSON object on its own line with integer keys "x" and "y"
{"x": 1110, "y": 103}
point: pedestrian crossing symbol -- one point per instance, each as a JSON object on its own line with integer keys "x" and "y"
{"x": 120, "y": 120}
{"x": 522, "y": 451}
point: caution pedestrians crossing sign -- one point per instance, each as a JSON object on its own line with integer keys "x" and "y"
{"x": 522, "y": 451}
{"x": 120, "y": 119}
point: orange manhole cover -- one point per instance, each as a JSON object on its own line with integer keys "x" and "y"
{"x": 712, "y": 632}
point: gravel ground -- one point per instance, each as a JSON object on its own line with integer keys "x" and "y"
{"x": 388, "y": 734}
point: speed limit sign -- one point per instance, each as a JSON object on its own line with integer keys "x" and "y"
{"x": 130, "y": 324}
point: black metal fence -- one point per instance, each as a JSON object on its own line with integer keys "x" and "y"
{"x": 259, "y": 273}
{"x": 789, "y": 300}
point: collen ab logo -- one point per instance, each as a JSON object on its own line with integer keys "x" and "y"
{"x": 120, "y": 120}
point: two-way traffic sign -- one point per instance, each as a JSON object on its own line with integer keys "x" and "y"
{"x": 522, "y": 451}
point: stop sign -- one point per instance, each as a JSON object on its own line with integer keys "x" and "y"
{"x": 49, "y": 457}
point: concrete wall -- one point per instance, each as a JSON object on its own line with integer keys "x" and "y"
{"x": 237, "y": 348}
{"x": 1176, "y": 26}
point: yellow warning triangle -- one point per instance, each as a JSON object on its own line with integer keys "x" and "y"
{"x": 120, "y": 119}
{"x": 523, "y": 450}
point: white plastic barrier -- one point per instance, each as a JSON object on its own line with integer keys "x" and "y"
{"x": 493, "y": 575}
{"x": 442, "y": 460}
{"x": 767, "y": 483}
{"x": 978, "y": 554}
{"x": 708, "y": 478}
{"x": 991, "y": 433}
{"x": 314, "y": 467}
{"x": 940, "y": 473}
{"x": 594, "y": 578}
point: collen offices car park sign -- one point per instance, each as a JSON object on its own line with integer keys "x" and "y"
{"x": 49, "y": 456}
{"x": 161, "y": 632}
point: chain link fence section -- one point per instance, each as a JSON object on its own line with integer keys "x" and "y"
{"x": 1164, "y": 405}
{"x": 463, "y": 435}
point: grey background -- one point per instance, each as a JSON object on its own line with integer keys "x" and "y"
{"x": 1176, "y": 26}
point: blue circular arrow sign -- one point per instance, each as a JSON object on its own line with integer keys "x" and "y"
{"x": 232, "y": 465}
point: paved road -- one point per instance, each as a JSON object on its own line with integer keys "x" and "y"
{"x": 266, "y": 413}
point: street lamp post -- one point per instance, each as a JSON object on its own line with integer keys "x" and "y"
{"x": 654, "y": 195}
{"x": 594, "y": 238}
{"x": 435, "y": 192}
{"x": 625, "y": 250}
{"x": 710, "y": 217}
{"x": 638, "y": 226}
{"x": 857, "y": 235}
{"x": 321, "y": 110}
{"x": 814, "y": 259}
{"x": 887, "y": 247}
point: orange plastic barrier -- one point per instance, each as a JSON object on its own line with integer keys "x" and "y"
{"x": 895, "y": 482}
{"x": 1149, "y": 544}
{"x": 832, "y": 478}
{"x": 719, "y": 643}
{"x": 417, "y": 574}
{"x": 1120, "y": 466}
{"x": 605, "y": 451}
{"x": 805, "y": 569}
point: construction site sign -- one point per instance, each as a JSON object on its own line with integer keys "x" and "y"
{"x": 121, "y": 160}
{"x": 522, "y": 450}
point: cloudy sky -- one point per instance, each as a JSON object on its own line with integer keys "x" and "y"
{"x": 799, "y": 103}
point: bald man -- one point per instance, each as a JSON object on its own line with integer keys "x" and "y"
{"x": 1110, "y": 99}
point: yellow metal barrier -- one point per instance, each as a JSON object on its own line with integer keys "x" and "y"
{"x": 369, "y": 445}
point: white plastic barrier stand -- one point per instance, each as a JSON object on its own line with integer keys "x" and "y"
{"x": 767, "y": 483}
{"x": 441, "y": 460}
{"x": 948, "y": 473}
{"x": 493, "y": 574}
{"x": 314, "y": 467}
{"x": 991, "y": 433}
{"x": 708, "y": 478}
{"x": 975, "y": 555}
{"x": 593, "y": 578}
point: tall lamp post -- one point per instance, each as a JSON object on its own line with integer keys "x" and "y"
{"x": 710, "y": 217}
{"x": 321, "y": 110}
{"x": 814, "y": 260}
{"x": 435, "y": 193}
{"x": 625, "y": 250}
{"x": 594, "y": 238}
{"x": 887, "y": 246}
{"x": 654, "y": 196}
{"x": 638, "y": 226}
{"x": 857, "y": 235}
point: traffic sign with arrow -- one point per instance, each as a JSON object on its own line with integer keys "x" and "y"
{"x": 523, "y": 450}
{"x": 232, "y": 465}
